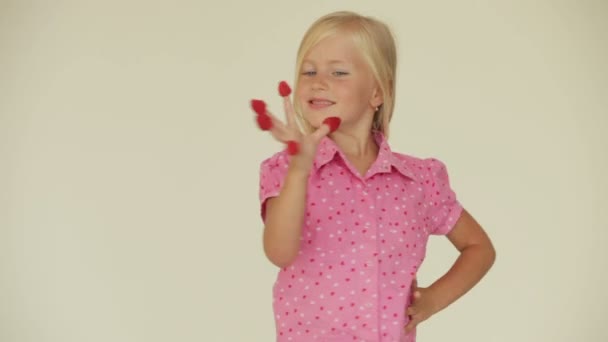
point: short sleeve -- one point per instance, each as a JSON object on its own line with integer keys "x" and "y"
{"x": 272, "y": 174}
{"x": 444, "y": 207}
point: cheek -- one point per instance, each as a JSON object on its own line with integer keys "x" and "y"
{"x": 300, "y": 95}
{"x": 348, "y": 91}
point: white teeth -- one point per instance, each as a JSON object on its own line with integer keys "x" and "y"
{"x": 321, "y": 102}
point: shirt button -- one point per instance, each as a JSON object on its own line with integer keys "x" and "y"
{"x": 369, "y": 305}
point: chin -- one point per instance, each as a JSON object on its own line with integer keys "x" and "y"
{"x": 315, "y": 120}
{"x": 317, "y": 117}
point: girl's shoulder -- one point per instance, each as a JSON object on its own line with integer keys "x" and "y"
{"x": 278, "y": 160}
{"x": 420, "y": 166}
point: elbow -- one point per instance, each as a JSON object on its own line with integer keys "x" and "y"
{"x": 280, "y": 253}
{"x": 492, "y": 255}
{"x": 279, "y": 258}
{"x": 281, "y": 249}
{"x": 483, "y": 252}
{"x": 280, "y": 264}
{"x": 489, "y": 255}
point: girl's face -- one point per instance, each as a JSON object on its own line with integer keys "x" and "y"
{"x": 336, "y": 81}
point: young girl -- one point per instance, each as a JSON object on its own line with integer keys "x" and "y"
{"x": 346, "y": 219}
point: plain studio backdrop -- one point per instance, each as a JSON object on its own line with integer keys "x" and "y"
{"x": 129, "y": 162}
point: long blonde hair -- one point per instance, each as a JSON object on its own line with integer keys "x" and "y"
{"x": 374, "y": 40}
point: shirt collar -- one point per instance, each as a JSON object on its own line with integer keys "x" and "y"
{"x": 386, "y": 159}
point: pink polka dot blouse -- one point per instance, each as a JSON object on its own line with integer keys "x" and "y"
{"x": 363, "y": 239}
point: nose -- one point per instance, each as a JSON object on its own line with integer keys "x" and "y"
{"x": 319, "y": 82}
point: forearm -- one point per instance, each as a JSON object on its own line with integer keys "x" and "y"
{"x": 284, "y": 219}
{"x": 472, "y": 264}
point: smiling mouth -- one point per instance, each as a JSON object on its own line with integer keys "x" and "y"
{"x": 320, "y": 104}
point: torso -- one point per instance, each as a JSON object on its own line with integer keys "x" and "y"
{"x": 363, "y": 239}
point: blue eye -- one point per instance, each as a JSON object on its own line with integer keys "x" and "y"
{"x": 340, "y": 73}
{"x": 309, "y": 73}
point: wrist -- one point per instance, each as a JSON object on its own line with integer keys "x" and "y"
{"x": 299, "y": 167}
{"x": 298, "y": 171}
{"x": 438, "y": 298}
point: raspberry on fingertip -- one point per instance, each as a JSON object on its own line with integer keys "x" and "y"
{"x": 258, "y": 106}
{"x": 293, "y": 147}
{"x": 333, "y": 123}
{"x": 284, "y": 89}
{"x": 264, "y": 122}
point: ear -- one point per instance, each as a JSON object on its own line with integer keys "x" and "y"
{"x": 377, "y": 98}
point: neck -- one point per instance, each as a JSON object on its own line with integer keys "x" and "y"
{"x": 356, "y": 144}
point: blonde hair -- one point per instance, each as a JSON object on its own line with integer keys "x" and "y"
{"x": 374, "y": 40}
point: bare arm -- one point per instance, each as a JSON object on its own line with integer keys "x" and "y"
{"x": 285, "y": 213}
{"x": 477, "y": 255}
{"x": 284, "y": 219}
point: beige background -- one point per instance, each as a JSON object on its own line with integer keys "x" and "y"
{"x": 129, "y": 162}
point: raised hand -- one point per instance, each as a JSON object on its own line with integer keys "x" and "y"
{"x": 302, "y": 147}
